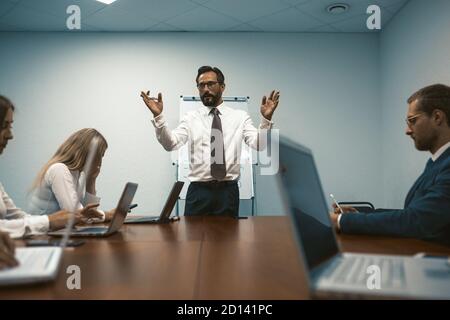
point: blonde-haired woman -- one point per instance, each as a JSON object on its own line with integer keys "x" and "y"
{"x": 16, "y": 222}
{"x": 68, "y": 179}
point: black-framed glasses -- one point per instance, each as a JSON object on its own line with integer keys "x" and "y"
{"x": 410, "y": 121}
{"x": 209, "y": 84}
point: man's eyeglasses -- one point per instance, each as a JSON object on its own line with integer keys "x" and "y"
{"x": 410, "y": 121}
{"x": 209, "y": 84}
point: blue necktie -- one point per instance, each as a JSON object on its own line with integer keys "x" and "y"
{"x": 429, "y": 165}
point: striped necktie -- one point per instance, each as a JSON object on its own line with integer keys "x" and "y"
{"x": 218, "y": 167}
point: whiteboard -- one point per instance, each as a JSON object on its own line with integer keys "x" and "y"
{"x": 245, "y": 183}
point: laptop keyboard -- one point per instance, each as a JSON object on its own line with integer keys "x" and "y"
{"x": 143, "y": 219}
{"x": 34, "y": 259}
{"x": 91, "y": 229}
{"x": 353, "y": 270}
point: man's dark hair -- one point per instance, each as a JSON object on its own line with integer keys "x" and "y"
{"x": 5, "y": 105}
{"x": 204, "y": 69}
{"x": 430, "y": 98}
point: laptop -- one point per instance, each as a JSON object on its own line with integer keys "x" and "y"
{"x": 166, "y": 211}
{"x": 331, "y": 273}
{"x": 36, "y": 265}
{"x": 116, "y": 222}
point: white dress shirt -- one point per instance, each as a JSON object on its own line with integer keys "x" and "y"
{"x": 440, "y": 151}
{"x": 195, "y": 128}
{"x": 18, "y": 223}
{"x": 61, "y": 189}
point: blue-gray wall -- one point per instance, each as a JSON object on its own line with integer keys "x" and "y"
{"x": 414, "y": 52}
{"x": 61, "y": 82}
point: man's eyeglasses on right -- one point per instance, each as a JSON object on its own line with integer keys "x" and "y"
{"x": 410, "y": 121}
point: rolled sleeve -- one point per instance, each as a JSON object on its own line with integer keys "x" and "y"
{"x": 90, "y": 198}
{"x": 159, "y": 121}
{"x": 30, "y": 225}
{"x": 265, "y": 124}
{"x": 39, "y": 224}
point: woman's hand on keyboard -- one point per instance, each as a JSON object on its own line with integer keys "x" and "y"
{"x": 59, "y": 219}
{"x": 90, "y": 213}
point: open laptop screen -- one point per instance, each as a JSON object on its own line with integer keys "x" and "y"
{"x": 122, "y": 206}
{"x": 171, "y": 200}
{"x": 307, "y": 203}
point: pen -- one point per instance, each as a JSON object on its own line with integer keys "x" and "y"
{"x": 337, "y": 204}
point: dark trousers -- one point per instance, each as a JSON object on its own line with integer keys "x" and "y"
{"x": 212, "y": 198}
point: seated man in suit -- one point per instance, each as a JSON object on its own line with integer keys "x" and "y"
{"x": 426, "y": 212}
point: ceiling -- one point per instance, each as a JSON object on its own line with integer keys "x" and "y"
{"x": 194, "y": 15}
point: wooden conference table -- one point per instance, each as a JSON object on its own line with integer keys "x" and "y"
{"x": 199, "y": 258}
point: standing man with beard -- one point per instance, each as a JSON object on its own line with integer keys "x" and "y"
{"x": 426, "y": 213}
{"x": 214, "y": 134}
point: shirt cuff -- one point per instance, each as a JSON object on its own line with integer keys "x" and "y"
{"x": 159, "y": 121}
{"x": 39, "y": 224}
{"x": 90, "y": 198}
{"x": 266, "y": 123}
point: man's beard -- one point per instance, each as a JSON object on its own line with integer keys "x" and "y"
{"x": 210, "y": 100}
{"x": 420, "y": 146}
{"x": 425, "y": 143}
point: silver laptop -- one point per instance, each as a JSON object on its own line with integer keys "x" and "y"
{"x": 35, "y": 265}
{"x": 116, "y": 222}
{"x": 166, "y": 211}
{"x": 330, "y": 272}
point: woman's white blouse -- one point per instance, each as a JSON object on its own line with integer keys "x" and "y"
{"x": 61, "y": 189}
{"x": 17, "y": 222}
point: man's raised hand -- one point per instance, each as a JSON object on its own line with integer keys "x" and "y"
{"x": 155, "y": 105}
{"x": 268, "y": 105}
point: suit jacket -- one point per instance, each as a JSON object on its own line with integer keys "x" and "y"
{"x": 426, "y": 213}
